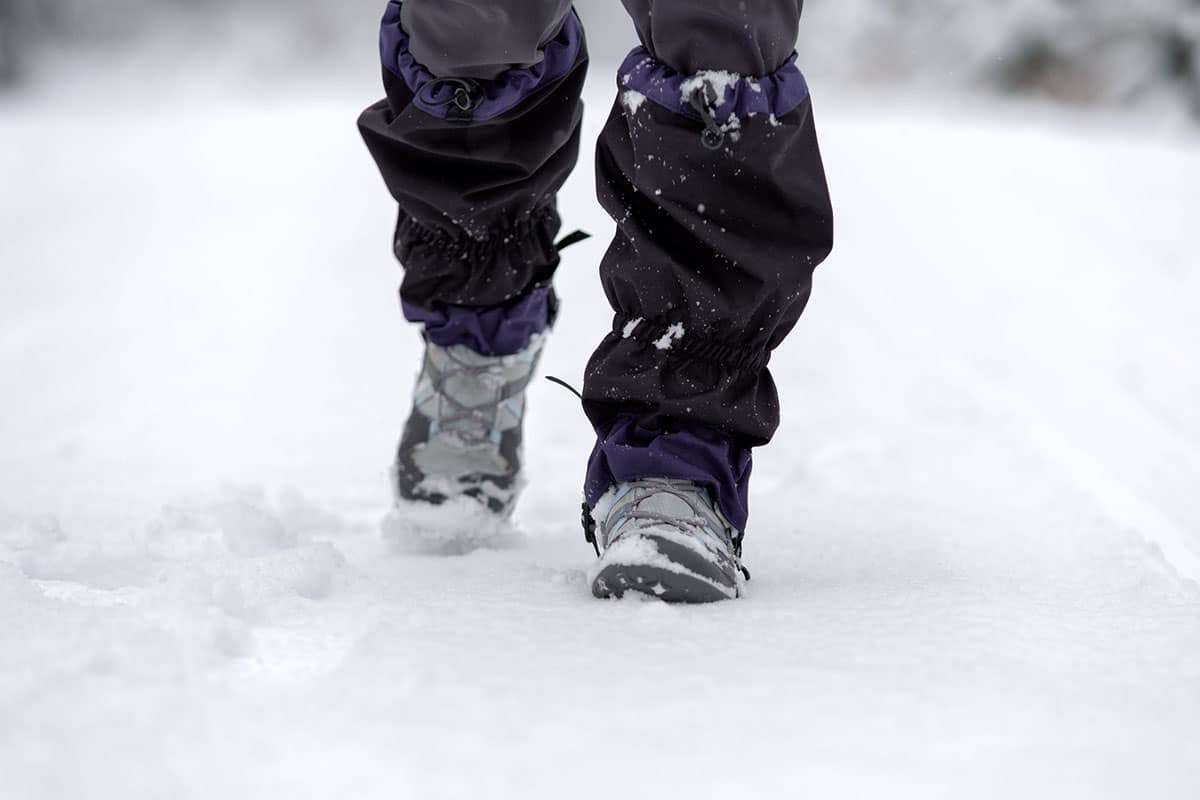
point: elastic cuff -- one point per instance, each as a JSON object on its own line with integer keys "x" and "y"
{"x": 674, "y": 339}
{"x": 626, "y": 452}
{"x": 496, "y": 97}
{"x": 476, "y": 267}
{"x": 490, "y": 331}
{"x": 777, "y": 94}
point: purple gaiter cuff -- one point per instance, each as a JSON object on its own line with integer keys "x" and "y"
{"x": 499, "y": 96}
{"x": 702, "y": 455}
{"x": 490, "y": 331}
{"x": 739, "y": 96}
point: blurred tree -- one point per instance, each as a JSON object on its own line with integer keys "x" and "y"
{"x": 1083, "y": 51}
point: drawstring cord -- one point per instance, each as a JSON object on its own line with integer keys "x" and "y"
{"x": 703, "y": 101}
{"x": 572, "y": 238}
{"x": 562, "y": 244}
{"x": 565, "y": 385}
{"x": 466, "y": 95}
{"x": 589, "y": 522}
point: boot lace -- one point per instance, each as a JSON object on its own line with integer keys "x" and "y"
{"x": 473, "y": 423}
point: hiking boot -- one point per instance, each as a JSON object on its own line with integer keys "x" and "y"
{"x": 463, "y": 437}
{"x": 665, "y": 538}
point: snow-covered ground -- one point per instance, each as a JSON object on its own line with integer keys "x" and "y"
{"x": 975, "y": 543}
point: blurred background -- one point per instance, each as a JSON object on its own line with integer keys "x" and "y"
{"x": 1136, "y": 53}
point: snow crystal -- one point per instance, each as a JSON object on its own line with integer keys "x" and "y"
{"x": 719, "y": 80}
{"x": 631, "y": 326}
{"x": 673, "y": 334}
{"x": 633, "y": 100}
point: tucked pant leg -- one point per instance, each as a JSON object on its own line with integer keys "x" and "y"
{"x": 481, "y": 38}
{"x": 478, "y": 132}
{"x": 710, "y": 165}
{"x": 750, "y": 37}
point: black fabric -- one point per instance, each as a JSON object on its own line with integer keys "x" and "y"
{"x": 477, "y": 198}
{"x": 710, "y": 268}
{"x": 714, "y": 250}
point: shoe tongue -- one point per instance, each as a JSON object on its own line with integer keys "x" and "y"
{"x": 667, "y": 504}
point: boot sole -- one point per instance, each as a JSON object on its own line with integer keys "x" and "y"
{"x": 682, "y": 582}
{"x": 670, "y": 587}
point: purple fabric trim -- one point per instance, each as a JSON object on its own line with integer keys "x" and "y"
{"x": 500, "y": 95}
{"x": 629, "y": 452}
{"x": 497, "y": 331}
{"x": 779, "y": 93}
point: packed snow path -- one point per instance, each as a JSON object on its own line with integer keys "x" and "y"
{"x": 975, "y": 544}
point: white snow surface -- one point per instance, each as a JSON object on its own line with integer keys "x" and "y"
{"x": 975, "y": 542}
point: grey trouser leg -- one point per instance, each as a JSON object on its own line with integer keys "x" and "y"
{"x": 480, "y": 38}
{"x": 750, "y": 37}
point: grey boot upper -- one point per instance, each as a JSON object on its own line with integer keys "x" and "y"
{"x": 668, "y": 539}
